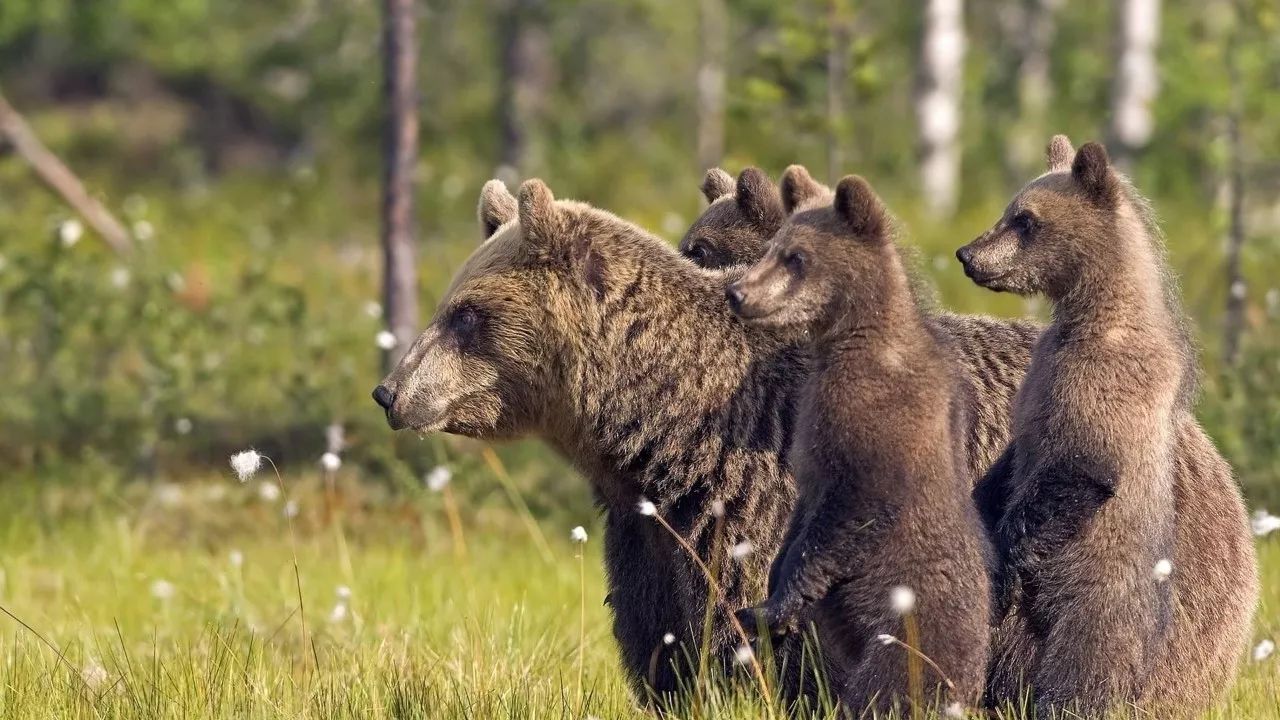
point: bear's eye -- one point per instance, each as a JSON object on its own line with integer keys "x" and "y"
{"x": 795, "y": 260}
{"x": 697, "y": 252}
{"x": 1023, "y": 223}
{"x": 464, "y": 319}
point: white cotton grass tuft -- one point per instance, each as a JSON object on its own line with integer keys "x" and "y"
{"x": 291, "y": 509}
{"x": 646, "y": 508}
{"x": 668, "y": 639}
{"x": 1162, "y": 570}
{"x": 163, "y": 590}
{"x": 1264, "y": 523}
{"x": 1263, "y": 650}
{"x": 438, "y": 478}
{"x": 70, "y": 232}
{"x": 340, "y": 608}
{"x": 741, "y": 550}
{"x": 743, "y": 654}
{"x": 335, "y": 438}
{"x": 144, "y": 230}
{"x": 886, "y": 639}
{"x": 373, "y": 309}
{"x": 93, "y": 674}
{"x": 236, "y": 558}
{"x": 902, "y": 599}
{"x": 246, "y": 463}
{"x": 183, "y": 426}
{"x": 120, "y": 277}
{"x": 268, "y": 491}
{"x": 717, "y": 508}
{"x": 330, "y": 462}
{"x": 386, "y": 339}
{"x": 954, "y": 710}
{"x": 578, "y": 535}
{"x": 343, "y": 592}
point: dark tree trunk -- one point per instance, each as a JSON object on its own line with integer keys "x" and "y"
{"x": 712, "y": 41}
{"x": 526, "y": 80}
{"x": 400, "y": 274}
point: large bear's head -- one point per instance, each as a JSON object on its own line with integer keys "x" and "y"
{"x": 491, "y": 357}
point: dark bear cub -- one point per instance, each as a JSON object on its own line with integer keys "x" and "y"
{"x": 884, "y": 535}
{"x": 1087, "y": 532}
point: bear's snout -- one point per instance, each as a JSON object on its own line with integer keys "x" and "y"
{"x": 735, "y": 295}
{"x": 383, "y": 397}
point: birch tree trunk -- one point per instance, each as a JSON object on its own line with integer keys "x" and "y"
{"x": 712, "y": 43}
{"x": 938, "y": 96}
{"x": 400, "y": 140}
{"x": 525, "y": 83}
{"x": 1135, "y": 82}
{"x": 1035, "y": 86}
{"x": 839, "y": 31}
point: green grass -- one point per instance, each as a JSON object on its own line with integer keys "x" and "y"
{"x": 426, "y": 633}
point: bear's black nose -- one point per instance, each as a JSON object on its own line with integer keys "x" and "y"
{"x": 383, "y": 397}
{"x": 735, "y": 297}
{"x": 964, "y": 255}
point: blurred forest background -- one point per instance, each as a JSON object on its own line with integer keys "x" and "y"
{"x": 241, "y": 145}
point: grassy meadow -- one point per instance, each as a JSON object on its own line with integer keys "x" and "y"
{"x": 176, "y": 601}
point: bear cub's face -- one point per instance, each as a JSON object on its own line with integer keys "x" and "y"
{"x": 816, "y": 264}
{"x": 736, "y": 225}
{"x": 1054, "y": 226}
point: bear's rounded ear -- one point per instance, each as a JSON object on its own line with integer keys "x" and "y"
{"x": 1058, "y": 153}
{"x": 797, "y": 187}
{"x": 537, "y": 211}
{"x": 860, "y": 208}
{"x": 716, "y": 184}
{"x": 1092, "y": 170}
{"x": 759, "y": 201}
{"x": 497, "y": 207}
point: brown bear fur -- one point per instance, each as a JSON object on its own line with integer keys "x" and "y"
{"x": 884, "y": 494}
{"x": 571, "y": 325}
{"x": 1107, "y": 473}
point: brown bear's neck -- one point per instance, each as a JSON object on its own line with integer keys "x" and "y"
{"x": 875, "y": 310}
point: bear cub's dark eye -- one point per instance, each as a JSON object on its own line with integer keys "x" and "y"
{"x": 464, "y": 319}
{"x": 1024, "y": 222}
{"x": 795, "y": 260}
{"x": 697, "y": 252}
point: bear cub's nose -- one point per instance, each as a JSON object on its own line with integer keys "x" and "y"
{"x": 383, "y": 397}
{"x": 735, "y": 297}
{"x": 964, "y": 255}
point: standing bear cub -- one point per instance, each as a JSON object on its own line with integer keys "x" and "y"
{"x": 884, "y": 504}
{"x": 1090, "y": 527}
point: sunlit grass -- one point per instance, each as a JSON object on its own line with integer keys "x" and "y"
{"x": 426, "y": 631}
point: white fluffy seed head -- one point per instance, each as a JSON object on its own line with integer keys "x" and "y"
{"x": 183, "y": 426}
{"x": 741, "y": 550}
{"x": 578, "y": 535}
{"x": 338, "y": 613}
{"x": 954, "y": 710}
{"x": 386, "y": 339}
{"x": 246, "y": 463}
{"x": 237, "y": 558}
{"x": 646, "y": 508}
{"x": 717, "y": 508}
{"x": 743, "y": 654}
{"x": 902, "y": 599}
{"x": 70, "y": 232}
{"x": 1162, "y": 570}
{"x": 885, "y": 639}
{"x": 1263, "y": 650}
{"x": 343, "y": 592}
{"x": 291, "y": 509}
{"x": 1264, "y": 523}
{"x": 162, "y": 589}
{"x": 438, "y": 478}
{"x": 94, "y": 674}
{"x": 330, "y": 462}
{"x": 668, "y": 639}
{"x": 268, "y": 491}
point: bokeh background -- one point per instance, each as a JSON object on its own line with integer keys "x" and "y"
{"x": 242, "y": 149}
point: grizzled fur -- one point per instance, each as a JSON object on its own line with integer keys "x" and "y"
{"x": 1089, "y": 493}
{"x": 884, "y": 497}
{"x": 571, "y": 325}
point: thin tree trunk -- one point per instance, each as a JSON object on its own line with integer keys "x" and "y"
{"x": 837, "y": 77}
{"x": 938, "y": 98}
{"x": 525, "y": 82}
{"x": 400, "y": 273}
{"x": 61, "y": 180}
{"x": 1237, "y": 290}
{"x": 1135, "y": 82}
{"x": 712, "y": 44}
{"x": 1035, "y": 86}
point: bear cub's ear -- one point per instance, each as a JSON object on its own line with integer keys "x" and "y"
{"x": 537, "y": 211}
{"x": 797, "y": 187}
{"x": 861, "y": 209}
{"x": 1058, "y": 153}
{"x": 716, "y": 184}
{"x": 759, "y": 201}
{"x": 497, "y": 207}
{"x": 1092, "y": 170}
